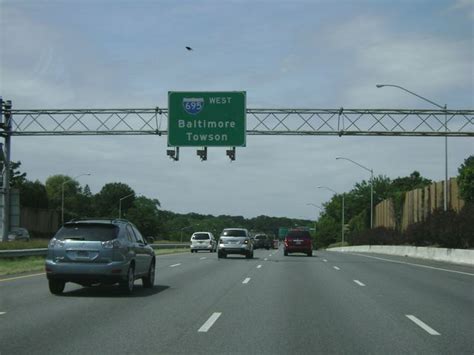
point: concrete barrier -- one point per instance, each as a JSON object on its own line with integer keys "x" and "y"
{"x": 456, "y": 256}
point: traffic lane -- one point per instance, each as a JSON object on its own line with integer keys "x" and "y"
{"x": 443, "y": 300}
{"x": 102, "y": 317}
{"x": 297, "y": 304}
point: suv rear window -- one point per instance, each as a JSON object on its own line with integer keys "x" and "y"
{"x": 88, "y": 232}
{"x": 298, "y": 235}
{"x": 234, "y": 233}
{"x": 201, "y": 236}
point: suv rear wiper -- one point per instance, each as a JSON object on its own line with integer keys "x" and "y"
{"x": 74, "y": 238}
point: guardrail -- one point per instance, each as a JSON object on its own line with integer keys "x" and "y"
{"x": 43, "y": 251}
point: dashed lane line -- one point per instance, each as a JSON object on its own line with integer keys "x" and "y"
{"x": 203, "y": 258}
{"x": 2, "y": 313}
{"x": 359, "y": 283}
{"x": 246, "y": 281}
{"x": 422, "y": 325}
{"x": 335, "y": 267}
{"x": 174, "y": 265}
{"x": 259, "y": 266}
{"x": 325, "y": 260}
{"x": 209, "y": 323}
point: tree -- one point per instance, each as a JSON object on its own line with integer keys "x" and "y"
{"x": 17, "y": 178}
{"x": 54, "y": 186}
{"x": 107, "y": 200}
{"x": 33, "y": 194}
{"x": 144, "y": 214}
{"x": 466, "y": 179}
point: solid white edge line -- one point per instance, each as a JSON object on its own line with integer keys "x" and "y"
{"x": 335, "y": 267}
{"x": 422, "y": 325}
{"x": 419, "y": 265}
{"x": 358, "y": 282}
{"x": 208, "y": 324}
{"x": 259, "y": 266}
{"x": 246, "y": 281}
{"x": 175, "y": 265}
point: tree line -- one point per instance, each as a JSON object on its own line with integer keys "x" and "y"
{"x": 144, "y": 212}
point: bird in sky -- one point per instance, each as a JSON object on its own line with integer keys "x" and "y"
{"x": 189, "y": 48}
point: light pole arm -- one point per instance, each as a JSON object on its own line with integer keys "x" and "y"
{"x": 356, "y": 163}
{"x": 411, "y": 92}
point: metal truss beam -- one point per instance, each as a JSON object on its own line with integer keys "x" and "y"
{"x": 284, "y": 121}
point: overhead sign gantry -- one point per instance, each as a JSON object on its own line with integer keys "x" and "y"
{"x": 206, "y": 119}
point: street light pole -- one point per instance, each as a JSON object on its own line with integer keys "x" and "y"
{"x": 445, "y": 108}
{"x": 62, "y": 194}
{"x": 317, "y": 206}
{"x": 120, "y": 203}
{"x": 371, "y": 187}
{"x": 342, "y": 217}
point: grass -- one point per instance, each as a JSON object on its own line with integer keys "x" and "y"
{"x": 32, "y": 244}
{"x": 9, "y": 266}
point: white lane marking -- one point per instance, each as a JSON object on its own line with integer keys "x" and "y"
{"x": 422, "y": 325}
{"x": 325, "y": 260}
{"x": 2, "y": 313}
{"x": 202, "y": 258}
{"x": 359, "y": 283}
{"x": 208, "y": 324}
{"x": 174, "y": 265}
{"x": 404, "y": 262}
{"x": 265, "y": 259}
{"x": 259, "y": 266}
{"x": 21, "y": 277}
{"x": 246, "y": 281}
{"x": 335, "y": 267}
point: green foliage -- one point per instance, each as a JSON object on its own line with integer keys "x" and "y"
{"x": 466, "y": 179}
{"x": 33, "y": 194}
{"x": 145, "y": 215}
{"x": 108, "y": 199}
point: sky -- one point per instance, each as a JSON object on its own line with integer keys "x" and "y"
{"x": 291, "y": 54}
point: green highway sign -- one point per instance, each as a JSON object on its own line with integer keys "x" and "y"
{"x": 206, "y": 119}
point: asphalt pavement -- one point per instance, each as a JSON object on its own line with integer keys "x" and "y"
{"x": 331, "y": 303}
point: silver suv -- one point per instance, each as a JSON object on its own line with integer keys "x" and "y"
{"x": 235, "y": 241}
{"x": 96, "y": 251}
{"x": 203, "y": 241}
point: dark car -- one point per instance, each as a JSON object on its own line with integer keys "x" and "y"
{"x": 298, "y": 241}
{"x": 262, "y": 241}
{"x": 96, "y": 251}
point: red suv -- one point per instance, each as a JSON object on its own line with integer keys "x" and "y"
{"x": 298, "y": 241}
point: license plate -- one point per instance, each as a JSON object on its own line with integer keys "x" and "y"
{"x": 82, "y": 253}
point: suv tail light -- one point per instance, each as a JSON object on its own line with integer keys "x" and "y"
{"x": 111, "y": 244}
{"x": 55, "y": 243}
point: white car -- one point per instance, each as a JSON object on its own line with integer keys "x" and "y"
{"x": 203, "y": 241}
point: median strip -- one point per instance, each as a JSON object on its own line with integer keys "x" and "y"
{"x": 174, "y": 265}
{"x": 209, "y": 323}
{"x": 422, "y": 325}
{"x": 246, "y": 281}
{"x": 359, "y": 283}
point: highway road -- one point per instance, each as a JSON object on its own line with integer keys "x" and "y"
{"x": 332, "y": 303}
